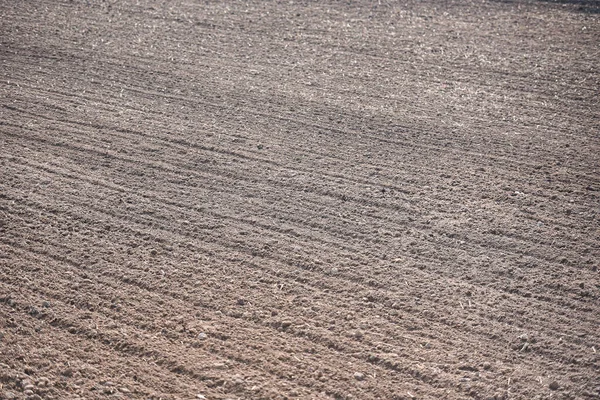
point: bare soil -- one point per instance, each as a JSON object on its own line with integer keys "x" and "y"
{"x": 299, "y": 200}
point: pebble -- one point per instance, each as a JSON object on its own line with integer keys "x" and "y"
{"x": 202, "y": 336}
{"x": 553, "y": 385}
{"x": 220, "y": 366}
{"x": 487, "y": 366}
{"x": 108, "y": 390}
{"x": 359, "y": 376}
{"x": 29, "y": 386}
{"x": 43, "y": 381}
{"x": 28, "y": 392}
{"x": 199, "y": 396}
{"x": 238, "y": 381}
{"x": 286, "y": 324}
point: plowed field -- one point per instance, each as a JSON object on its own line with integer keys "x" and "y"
{"x": 299, "y": 200}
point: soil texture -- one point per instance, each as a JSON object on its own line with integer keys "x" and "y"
{"x": 299, "y": 200}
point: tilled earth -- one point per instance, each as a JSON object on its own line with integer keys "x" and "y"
{"x": 299, "y": 200}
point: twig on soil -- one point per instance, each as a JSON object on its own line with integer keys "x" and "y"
{"x": 461, "y": 305}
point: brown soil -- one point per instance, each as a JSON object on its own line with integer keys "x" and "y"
{"x": 292, "y": 200}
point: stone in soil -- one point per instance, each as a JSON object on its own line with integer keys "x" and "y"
{"x": 359, "y": 376}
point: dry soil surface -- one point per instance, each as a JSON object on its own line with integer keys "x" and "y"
{"x": 299, "y": 200}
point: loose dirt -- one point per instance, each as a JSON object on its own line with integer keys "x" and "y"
{"x": 299, "y": 200}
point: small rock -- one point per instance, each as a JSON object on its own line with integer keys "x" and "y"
{"x": 202, "y": 336}
{"x": 238, "y": 381}
{"x": 241, "y": 302}
{"x": 487, "y": 366}
{"x": 523, "y": 337}
{"x": 199, "y": 396}
{"x": 124, "y": 390}
{"x": 359, "y": 376}
{"x": 43, "y": 381}
{"x": 109, "y": 383}
{"x": 553, "y": 385}
{"x": 286, "y": 324}
{"x": 46, "y": 304}
{"x": 28, "y": 392}
{"x": 29, "y": 387}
